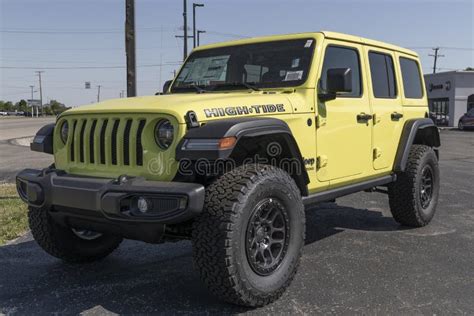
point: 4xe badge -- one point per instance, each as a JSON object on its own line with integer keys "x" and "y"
{"x": 244, "y": 110}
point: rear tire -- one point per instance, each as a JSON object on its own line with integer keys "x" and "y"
{"x": 414, "y": 196}
{"x": 68, "y": 245}
{"x": 248, "y": 241}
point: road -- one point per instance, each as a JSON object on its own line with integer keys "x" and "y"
{"x": 357, "y": 259}
{"x": 13, "y": 157}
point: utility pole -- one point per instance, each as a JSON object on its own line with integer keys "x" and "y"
{"x": 195, "y": 5}
{"x": 98, "y": 93}
{"x": 32, "y": 106}
{"x": 130, "y": 48}
{"x": 436, "y": 56}
{"x": 41, "y": 93}
{"x": 198, "y": 33}
{"x": 185, "y": 29}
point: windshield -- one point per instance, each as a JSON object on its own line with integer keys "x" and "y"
{"x": 250, "y": 66}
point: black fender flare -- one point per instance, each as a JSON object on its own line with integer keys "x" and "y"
{"x": 239, "y": 128}
{"x": 43, "y": 141}
{"x": 415, "y": 131}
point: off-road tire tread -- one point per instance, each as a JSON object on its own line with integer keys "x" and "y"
{"x": 47, "y": 234}
{"x": 402, "y": 193}
{"x": 213, "y": 230}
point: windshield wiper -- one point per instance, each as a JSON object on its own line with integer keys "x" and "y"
{"x": 247, "y": 85}
{"x": 189, "y": 86}
{"x": 198, "y": 88}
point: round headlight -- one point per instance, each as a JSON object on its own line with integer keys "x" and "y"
{"x": 164, "y": 134}
{"x": 64, "y": 131}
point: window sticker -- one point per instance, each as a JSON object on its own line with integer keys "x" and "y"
{"x": 308, "y": 43}
{"x": 295, "y": 63}
{"x": 206, "y": 69}
{"x": 293, "y": 75}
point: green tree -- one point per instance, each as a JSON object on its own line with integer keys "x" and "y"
{"x": 6, "y": 106}
{"x": 47, "y": 110}
{"x": 21, "y": 106}
{"x": 56, "y": 107}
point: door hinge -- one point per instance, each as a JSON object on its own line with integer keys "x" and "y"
{"x": 321, "y": 161}
{"x": 320, "y": 121}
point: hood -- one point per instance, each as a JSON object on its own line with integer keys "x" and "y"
{"x": 208, "y": 106}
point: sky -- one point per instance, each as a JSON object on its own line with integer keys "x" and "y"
{"x": 74, "y": 41}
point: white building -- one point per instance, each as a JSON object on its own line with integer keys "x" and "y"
{"x": 450, "y": 95}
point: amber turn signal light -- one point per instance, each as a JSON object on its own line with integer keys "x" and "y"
{"x": 227, "y": 142}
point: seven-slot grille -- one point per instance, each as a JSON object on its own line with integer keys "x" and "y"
{"x": 106, "y": 141}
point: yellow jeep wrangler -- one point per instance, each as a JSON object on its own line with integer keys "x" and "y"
{"x": 246, "y": 135}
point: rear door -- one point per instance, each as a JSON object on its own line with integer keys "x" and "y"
{"x": 343, "y": 141}
{"x": 386, "y": 105}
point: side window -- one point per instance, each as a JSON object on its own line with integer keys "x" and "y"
{"x": 383, "y": 75}
{"x": 343, "y": 57}
{"x": 411, "y": 78}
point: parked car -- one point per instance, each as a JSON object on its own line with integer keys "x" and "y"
{"x": 467, "y": 120}
{"x": 3, "y": 113}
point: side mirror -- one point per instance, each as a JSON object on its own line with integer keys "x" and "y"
{"x": 166, "y": 86}
{"x": 337, "y": 80}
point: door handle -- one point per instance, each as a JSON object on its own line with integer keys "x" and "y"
{"x": 363, "y": 118}
{"x": 396, "y": 116}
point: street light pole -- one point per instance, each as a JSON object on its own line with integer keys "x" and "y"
{"x": 198, "y": 35}
{"x": 195, "y": 5}
{"x": 32, "y": 96}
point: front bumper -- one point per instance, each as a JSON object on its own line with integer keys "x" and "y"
{"x": 110, "y": 206}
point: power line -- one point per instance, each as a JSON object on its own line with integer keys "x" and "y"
{"x": 78, "y": 49}
{"x": 16, "y": 93}
{"x": 227, "y": 34}
{"x": 55, "y": 61}
{"x": 442, "y": 47}
{"x": 78, "y": 31}
{"x": 86, "y": 67}
{"x": 115, "y": 31}
{"x": 457, "y": 48}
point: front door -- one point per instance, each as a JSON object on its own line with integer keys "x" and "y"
{"x": 344, "y": 124}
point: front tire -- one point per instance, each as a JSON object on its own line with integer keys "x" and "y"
{"x": 66, "y": 243}
{"x": 248, "y": 241}
{"x": 460, "y": 126}
{"x": 414, "y": 196}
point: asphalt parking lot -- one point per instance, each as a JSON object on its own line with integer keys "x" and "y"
{"x": 357, "y": 259}
{"x": 13, "y": 157}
